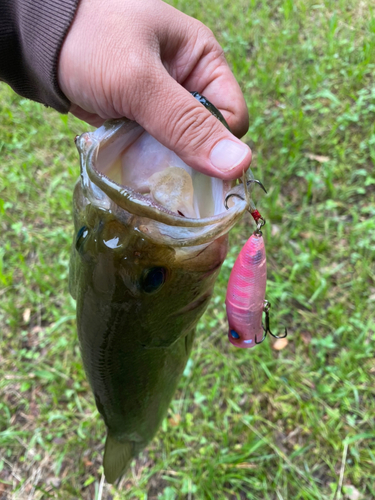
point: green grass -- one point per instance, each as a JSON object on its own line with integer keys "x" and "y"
{"x": 259, "y": 424}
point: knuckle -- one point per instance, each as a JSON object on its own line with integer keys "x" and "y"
{"x": 191, "y": 129}
{"x": 207, "y": 38}
{"x": 204, "y": 31}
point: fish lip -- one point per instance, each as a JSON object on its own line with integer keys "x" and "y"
{"x": 154, "y": 222}
{"x": 155, "y": 210}
{"x": 129, "y": 199}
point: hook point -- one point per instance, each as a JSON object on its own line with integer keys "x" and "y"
{"x": 257, "y": 182}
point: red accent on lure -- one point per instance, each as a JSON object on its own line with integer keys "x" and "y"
{"x": 256, "y": 215}
{"x": 246, "y": 293}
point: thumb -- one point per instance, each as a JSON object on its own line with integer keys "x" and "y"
{"x": 177, "y": 120}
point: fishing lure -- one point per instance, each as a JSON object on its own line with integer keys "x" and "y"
{"x": 245, "y": 300}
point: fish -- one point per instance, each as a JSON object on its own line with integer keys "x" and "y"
{"x": 150, "y": 236}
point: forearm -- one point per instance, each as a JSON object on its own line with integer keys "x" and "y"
{"x": 31, "y": 36}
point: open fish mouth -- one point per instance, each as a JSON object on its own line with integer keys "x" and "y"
{"x": 126, "y": 171}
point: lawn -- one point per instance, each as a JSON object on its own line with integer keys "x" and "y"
{"x": 261, "y": 424}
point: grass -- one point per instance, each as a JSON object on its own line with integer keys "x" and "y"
{"x": 290, "y": 424}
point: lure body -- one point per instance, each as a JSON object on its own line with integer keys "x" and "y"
{"x": 246, "y": 294}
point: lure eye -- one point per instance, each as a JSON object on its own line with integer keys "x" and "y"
{"x": 81, "y": 235}
{"x": 153, "y": 279}
{"x": 234, "y": 334}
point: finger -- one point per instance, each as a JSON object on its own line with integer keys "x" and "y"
{"x": 213, "y": 78}
{"x": 90, "y": 118}
{"x": 199, "y": 64}
{"x": 177, "y": 120}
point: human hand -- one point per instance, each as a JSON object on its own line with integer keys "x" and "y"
{"x": 140, "y": 59}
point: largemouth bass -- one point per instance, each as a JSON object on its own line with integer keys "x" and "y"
{"x": 150, "y": 238}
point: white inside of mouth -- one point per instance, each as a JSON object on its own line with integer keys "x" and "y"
{"x": 139, "y": 161}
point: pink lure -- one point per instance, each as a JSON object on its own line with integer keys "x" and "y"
{"x": 246, "y": 293}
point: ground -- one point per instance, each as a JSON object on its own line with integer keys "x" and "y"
{"x": 279, "y": 422}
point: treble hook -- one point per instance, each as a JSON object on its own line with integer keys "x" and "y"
{"x": 266, "y": 328}
{"x": 229, "y": 196}
{"x": 239, "y": 196}
{"x": 257, "y": 182}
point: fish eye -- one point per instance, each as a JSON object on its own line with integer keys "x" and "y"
{"x": 153, "y": 279}
{"x": 81, "y": 235}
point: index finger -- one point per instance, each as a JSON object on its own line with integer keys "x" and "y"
{"x": 213, "y": 78}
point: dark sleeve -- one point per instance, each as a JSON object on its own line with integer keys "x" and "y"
{"x": 31, "y": 36}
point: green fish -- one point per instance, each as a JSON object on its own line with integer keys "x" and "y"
{"x": 150, "y": 238}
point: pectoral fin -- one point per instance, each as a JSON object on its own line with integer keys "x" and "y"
{"x": 117, "y": 457}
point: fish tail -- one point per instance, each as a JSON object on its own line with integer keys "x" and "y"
{"x": 117, "y": 457}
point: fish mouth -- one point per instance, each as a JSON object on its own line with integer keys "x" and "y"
{"x": 123, "y": 168}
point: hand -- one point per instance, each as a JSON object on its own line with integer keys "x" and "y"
{"x": 140, "y": 59}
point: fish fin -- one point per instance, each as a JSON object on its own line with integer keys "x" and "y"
{"x": 117, "y": 457}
